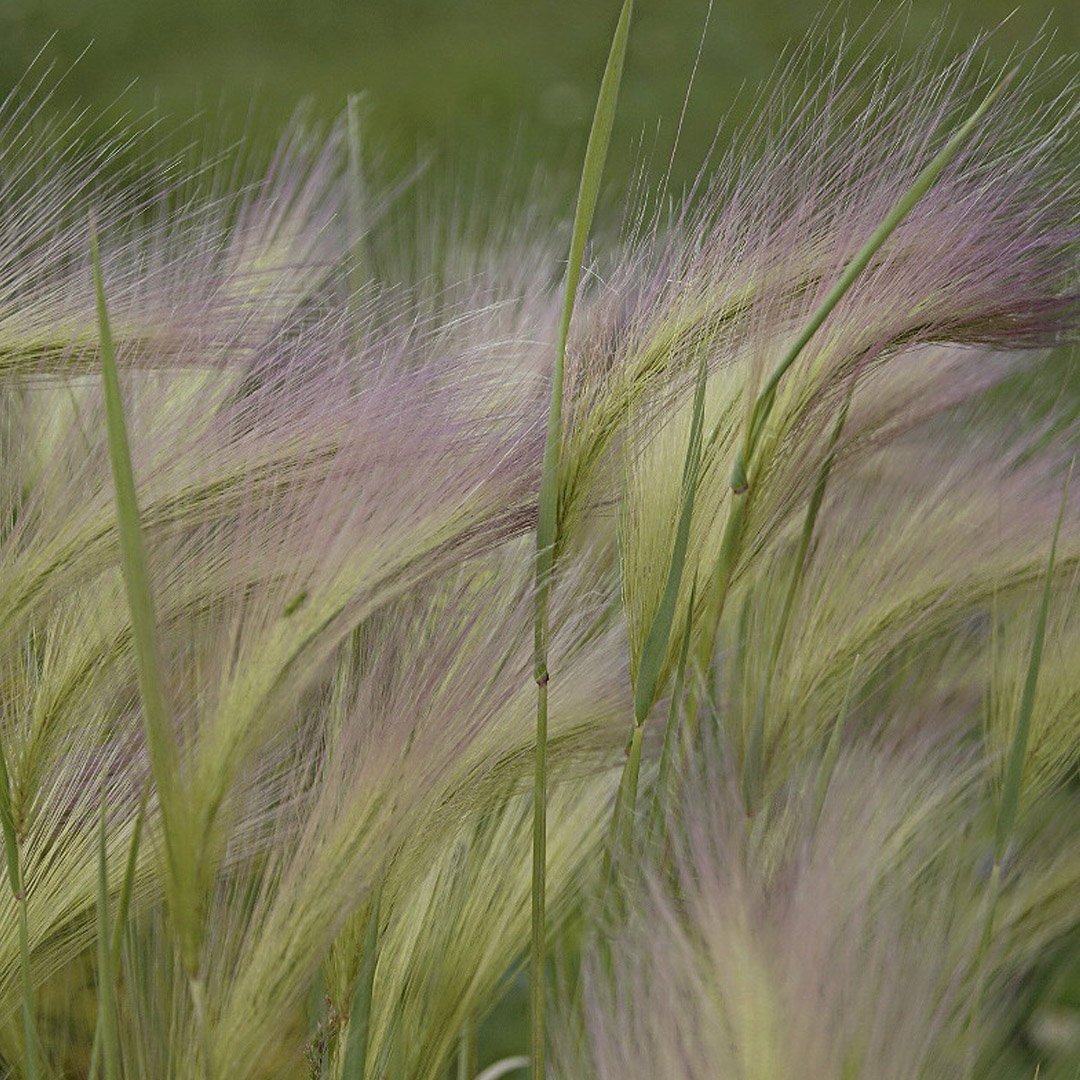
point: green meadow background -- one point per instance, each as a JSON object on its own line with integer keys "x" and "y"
{"x": 509, "y": 81}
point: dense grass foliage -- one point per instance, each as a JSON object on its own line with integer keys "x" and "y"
{"x": 276, "y": 445}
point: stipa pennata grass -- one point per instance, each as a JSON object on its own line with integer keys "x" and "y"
{"x": 336, "y": 446}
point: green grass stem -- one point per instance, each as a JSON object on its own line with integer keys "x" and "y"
{"x": 107, "y": 971}
{"x": 832, "y": 747}
{"x": 1012, "y": 783}
{"x": 127, "y": 886}
{"x": 164, "y": 755}
{"x": 754, "y": 764}
{"x": 1014, "y": 769}
{"x": 622, "y": 832}
{"x": 18, "y": 889}
{"x": 669, "y": 748}
{"x": 654, "y": 651}
{"x": 548, "y": 510}
{"x": 813, "y": 508}
{"x": 123, "y": 908}
{"x": 354, "y": 1064}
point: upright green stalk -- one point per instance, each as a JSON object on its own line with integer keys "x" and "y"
{"x": 354, "y": 1065}
{"x": 182, "y": 876}
{"x": 18, "y": 890}
{"x": 668, "y": 750}
{"x": 548, "y": 512}
{"x": 1012, "y": 782}
{"x": 654, "y": 650}
{"x": 832, "y": 747}
{"x": 622, "y": 825}
{"x": 127, "y": 888}
{"x": 1014, "y": 768}
{"x": 741, "y": 473}
{"x": 106, "y": 988}
{"x": 754, "y": 765}
{"x": 817, "y": 497}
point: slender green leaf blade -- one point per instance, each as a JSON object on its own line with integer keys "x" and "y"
{"x": 588, "y": 193}
{"x": 164, "y": 757}
{"x": 817, "y": 497}
{"x": 106, "y": 980}
{"x": 18, "y": 889}
{"x": 356, "y": 1046}
{"x": 127, "y": 887}
{"x": 30, "y": 1035}
{"x": 832, "y": 748}
{"x": 7, "y": 822}
{"x": 133, "y": 555}
{"x": 547, "y": 516}
{"x": 655, "y": 648}
{"x": 1014, "y": 768}
{"x": 662, "y": 786}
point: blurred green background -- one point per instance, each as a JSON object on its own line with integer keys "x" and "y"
{"x": 498, "y": 79}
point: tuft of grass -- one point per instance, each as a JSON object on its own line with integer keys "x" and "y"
{"x": 656, "y": 645}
